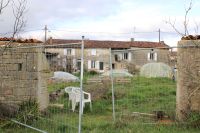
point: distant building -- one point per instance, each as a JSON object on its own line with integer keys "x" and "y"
{"x": 97, "y": 54}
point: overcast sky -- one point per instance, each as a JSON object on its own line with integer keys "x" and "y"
{"x": 104, "y": 19}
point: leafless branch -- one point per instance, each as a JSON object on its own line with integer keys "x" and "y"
{"x": 172, "y": 24}
{"x": 185, "y": 22}
{"x": 19, "y": 10}
{"x": 3, "y": 4}
{"x": 196, "y": 29}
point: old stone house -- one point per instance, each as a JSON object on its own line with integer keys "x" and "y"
{"x": 97, "y": 54}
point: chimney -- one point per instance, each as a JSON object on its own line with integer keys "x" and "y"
{"x": 50, "y": 40}
{"x": 162, "y": 42}
{"x": 132, "y": 39}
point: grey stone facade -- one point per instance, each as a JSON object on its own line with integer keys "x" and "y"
{"x": 23, "y": 74}
{"x": 140, "y": 56}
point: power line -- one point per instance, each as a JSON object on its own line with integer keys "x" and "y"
{"x": 7, "y": 33}
{"x": 77, "y": 31}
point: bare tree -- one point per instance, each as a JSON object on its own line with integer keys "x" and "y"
{"x": 19, "y": 10}
{"x": 3, "y": 4}
{"x": 185, "y": 22}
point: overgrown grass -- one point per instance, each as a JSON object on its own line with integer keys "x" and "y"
{"x": 144, "y": 95}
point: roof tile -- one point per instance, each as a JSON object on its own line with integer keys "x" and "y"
{"x": 111, "y": 44}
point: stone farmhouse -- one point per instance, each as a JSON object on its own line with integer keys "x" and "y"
{"x": 97, "y": 54}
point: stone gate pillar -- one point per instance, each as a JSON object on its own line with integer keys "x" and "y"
{"x": 23, "y": 76}
{"x": 188, "y": 80}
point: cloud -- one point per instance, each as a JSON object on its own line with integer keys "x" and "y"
{"x": 104, "y": 19}
{"x": 69, "y": 11}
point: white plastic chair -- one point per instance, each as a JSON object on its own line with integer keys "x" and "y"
{"x": 75, "y": 97}
{"x": 69, "y": 90}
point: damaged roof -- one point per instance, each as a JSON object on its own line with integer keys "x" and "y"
{"x": 5, "y": 39}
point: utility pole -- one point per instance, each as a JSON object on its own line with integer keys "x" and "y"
{"x": 45, "y": 34}
{"x": 159, "y": 35}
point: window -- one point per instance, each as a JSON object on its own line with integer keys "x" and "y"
{"x": 69, "y": 51}
{"x": 100, "y": 65}
{"x": 152, "y": 55}
{"x": 113, "y": 66}
{"x": 92, "y": 64}
{"x": 79, "y": 64}
{"x": 116, "y": 57}
{"x": 125, "y": 56}
{"x": 93, "y": 52}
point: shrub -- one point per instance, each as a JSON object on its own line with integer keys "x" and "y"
{"x": 28, "y": 112}
{"x": 93, "y": 72}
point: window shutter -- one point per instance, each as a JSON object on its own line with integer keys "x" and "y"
{"x": 89, "y": 64}
{"x": 120, "y": 56}
{"x": 97, "y": 65}
{"x": 73, "y": 51}
{"x": 65, "y": 52}
{"x": 129, "y": 56}
{"x": 64, "y": 63}
{"x": 148, "y": 56}
{"x": 74, "y": 62}
{"x": 155, "y": 56}
{"x": 93, "y": 52}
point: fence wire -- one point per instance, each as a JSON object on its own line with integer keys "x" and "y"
{"x": 126, "y": 90}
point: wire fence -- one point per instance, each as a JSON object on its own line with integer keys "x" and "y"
{"x": 118, "y": 90}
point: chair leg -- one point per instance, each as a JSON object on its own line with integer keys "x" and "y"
{"x": 90, "y": 106}
{"x": 73, "y": 105}
{"x": 69, "y": 103}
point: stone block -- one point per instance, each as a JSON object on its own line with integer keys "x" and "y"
{"x": 29, "y": 91}
{"x": 6, "y": 56}
{"x": 8, "y": 91}
{"x": 12, "y": 67}
{"x": 27, "y": 75}
{"x": 17, "y": 56}
{"x": 2, "y": 98}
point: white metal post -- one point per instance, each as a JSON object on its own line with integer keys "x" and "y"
{"x": 81, "y": 85}
{"x": 112, "y": 85}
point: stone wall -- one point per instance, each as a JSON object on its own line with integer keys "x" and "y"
{"x": 102, "y": 55}
{"x": 188, "y": 81}
{"x": 140, "y": 56}
{"x": 23, "y": 74}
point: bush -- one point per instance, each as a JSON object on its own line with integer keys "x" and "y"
{"x": 132, "y": 68}
{"x": 194, "y": 119}
{"x": 93, "y": 72}
{"x": 28, "y": 112}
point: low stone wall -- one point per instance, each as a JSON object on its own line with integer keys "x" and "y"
{"x": 188, "y": 81}
{"x": 23, "y": 74}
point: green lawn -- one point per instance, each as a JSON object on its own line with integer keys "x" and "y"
{"x": 144, "y": 95}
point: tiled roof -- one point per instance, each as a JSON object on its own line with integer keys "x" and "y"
{"x": 20, "y": 40}
{"x": 111, "y": 44}
{"x": 191, "y": 37}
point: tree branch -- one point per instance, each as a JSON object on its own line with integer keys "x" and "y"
{"x": 3, "y": 4}
{"x": 185, "y": 22}
{"x": 19, "y": 9}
